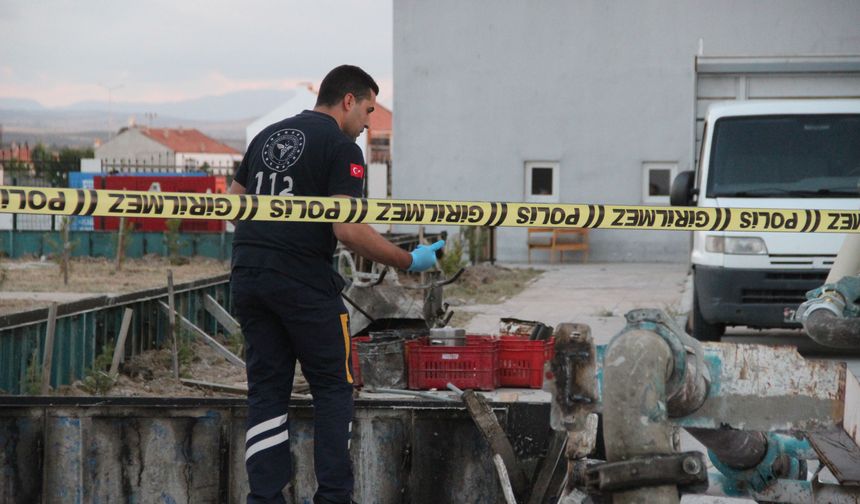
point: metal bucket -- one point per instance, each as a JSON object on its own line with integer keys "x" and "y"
{"x": 406, "y": 333}
{"x": 448, "y": 336}
{"x": 382, "y": 363}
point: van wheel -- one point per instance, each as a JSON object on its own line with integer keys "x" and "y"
{"x": 701, "y": 329}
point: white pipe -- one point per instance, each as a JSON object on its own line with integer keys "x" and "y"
{"x": 847, "y": 260}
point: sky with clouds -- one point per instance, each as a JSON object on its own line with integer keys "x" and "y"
{"x": 59, "y": 52}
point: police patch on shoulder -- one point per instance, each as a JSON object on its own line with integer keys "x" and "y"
{"x": 283, "y": 148}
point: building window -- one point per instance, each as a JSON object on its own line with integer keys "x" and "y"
{"x": 542, "y": 182}
{"x": 657, "y": 181}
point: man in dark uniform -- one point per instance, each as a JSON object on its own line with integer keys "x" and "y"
{"x": 286, "y": 293}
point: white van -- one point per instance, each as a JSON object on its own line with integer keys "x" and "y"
{"x": 767, "y": 154}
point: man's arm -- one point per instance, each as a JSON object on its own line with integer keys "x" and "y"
{"x": 236, "y": 188}
{"x": 367, "y": 242}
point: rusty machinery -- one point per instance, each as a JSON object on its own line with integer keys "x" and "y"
{"x": 763, "y": 412}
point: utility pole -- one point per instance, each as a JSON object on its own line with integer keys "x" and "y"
{"x": 150, "y": 117}
{"x": 110, "y": 90}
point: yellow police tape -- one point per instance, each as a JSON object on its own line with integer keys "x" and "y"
{"x": 109, "y": 203}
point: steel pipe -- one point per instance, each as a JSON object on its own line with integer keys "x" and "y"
{"x": 847, "y": 261}
{"x": 827, "y": 329}
{"x": 737, "y": 449}
{"x": 637, "y": 365}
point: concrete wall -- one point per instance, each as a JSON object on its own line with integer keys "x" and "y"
{"x": 181, "y": 450}
{"x": 600, "y": 87}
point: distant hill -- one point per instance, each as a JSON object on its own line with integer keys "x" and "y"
{"x": 20, "y": 104}
{"x": 222, "y": 117}
{"x": 231, "y": 106}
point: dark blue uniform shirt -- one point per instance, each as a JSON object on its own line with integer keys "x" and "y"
{"x": 304, "y": 155}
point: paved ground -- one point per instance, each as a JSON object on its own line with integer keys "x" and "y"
{"x": 600, "y": 294}
{"x": 595, "y": 294}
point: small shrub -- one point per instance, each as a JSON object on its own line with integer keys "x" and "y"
{"x": 174, "y": 243}
{"x": 185, "y": 352}
{"x": 476, "y": 237}
{"x": 33, "y": 380}
{"x": 98, "y": 380}
{"x": 122, "y": 252}
{"x": 236, "y": 344}
{"x": 452, "y": 261}
{"x": 61, "y": 250}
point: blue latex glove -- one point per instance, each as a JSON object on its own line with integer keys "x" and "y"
{"x": 424, "y": 257}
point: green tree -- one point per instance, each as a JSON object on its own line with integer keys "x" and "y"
{"x": 46, "y": 165}
{"x": 54, "y": 166}
{"x": 14, "y": 166}
{"x": 40, "y": 153}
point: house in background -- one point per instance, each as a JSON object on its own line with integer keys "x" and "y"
{"x": 379, "y": 136}
{"x": 15, "y": 156}
{"x": 146, "y": 150}
{"x": 12, "y": 157}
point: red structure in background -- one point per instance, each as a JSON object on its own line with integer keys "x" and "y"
{"x": 160, "y": 184}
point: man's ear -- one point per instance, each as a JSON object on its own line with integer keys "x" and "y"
{"x": 348, "y": 101}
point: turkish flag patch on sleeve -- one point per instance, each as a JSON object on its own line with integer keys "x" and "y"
{"x": 356, "y": 170}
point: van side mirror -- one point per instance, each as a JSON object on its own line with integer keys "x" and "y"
{"x": 682, "y": 189}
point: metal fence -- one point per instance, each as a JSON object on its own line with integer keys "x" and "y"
{"x": 84, "y": 327}
{"x": 31, "y": 222}
{"x": 34, "y": 243}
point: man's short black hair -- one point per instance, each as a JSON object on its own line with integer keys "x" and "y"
{"x": 342, "y": 80}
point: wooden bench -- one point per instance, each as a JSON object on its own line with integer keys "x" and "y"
{"x": 561, "y": 240}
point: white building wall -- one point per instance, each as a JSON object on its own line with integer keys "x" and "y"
{"x": 134, "y": 147}
{"x": 601, "y": 87}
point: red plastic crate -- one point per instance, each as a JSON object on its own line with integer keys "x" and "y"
{"x": 356, "y": 370}
{"x": 521, "y": 361}
{"x": 474, "y": 366}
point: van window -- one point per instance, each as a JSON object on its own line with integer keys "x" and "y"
{"x": 816, "y": 156}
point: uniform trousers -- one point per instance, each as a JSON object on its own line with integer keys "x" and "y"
{"x": 284, "y": 320}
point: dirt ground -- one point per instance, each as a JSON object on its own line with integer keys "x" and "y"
{"x": 489, "y": 284}
{"x": 485, "y": 284}
{"x": 99, "y": 275}
{"x": 150, "y": 374}
{"x": 92, "y": 275}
